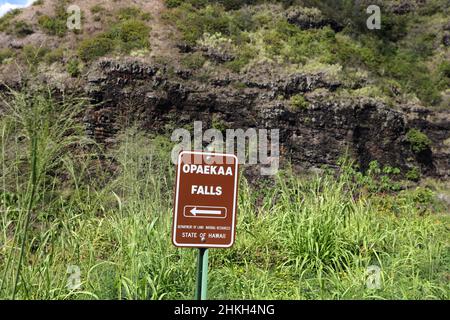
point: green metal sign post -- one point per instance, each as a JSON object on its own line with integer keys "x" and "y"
{"x": 202, "y": 274}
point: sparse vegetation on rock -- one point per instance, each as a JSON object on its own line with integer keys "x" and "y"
{"x": 298, "y": 102}
{"x": 5, "y": 21}
{"x": 128, "y": 33}
{"x": 55, "y": 25}
{"x": 297, "y": 34}
{"x": 73, "y": 67}
{"x": 418, "y": 140}
{"x": 5, "y": 54}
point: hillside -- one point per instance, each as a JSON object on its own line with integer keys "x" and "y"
{"x": 87, "y": 124}
{"x": 408, "y": 57}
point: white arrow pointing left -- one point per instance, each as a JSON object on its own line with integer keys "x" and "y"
{"x": 196, "y": 211}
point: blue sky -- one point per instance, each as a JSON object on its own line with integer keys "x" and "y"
{"x": 22, "y": 2}
{"x": 6, "y": 5}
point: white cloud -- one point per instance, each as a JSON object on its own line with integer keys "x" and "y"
{"x": 5, "y": 7}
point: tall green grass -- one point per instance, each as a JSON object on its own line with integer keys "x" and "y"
{"x": 297, "y": 238}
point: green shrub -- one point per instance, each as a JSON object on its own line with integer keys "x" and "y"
{"x": 376, "y": 179}
{"x": 130, "y": 34}
{"x": 22, "y": 29}
{"x": 295, "y": 45}
{"x": 423, "y": 196}
{"x": 34, "y": 55}
{"x": 239, "y": 63}
{"x": 298, "y": 102}
{"x": 173, "y": 3}
{"x": 53, "y": 56}
{"x": 413, "y": 174}
{"x": 125, "y": 35}
{"x": 279, "y": 38}
{"x": 424, "y": 44}
{"x": 227, "y": 4}
{"x": 194, "y": 23}
{"x": 193, "y": 61}
{"x": 413, "y": 74}
{"x": 5, "y": 21}
{"x": 236, "y": 4}
{"x": 444, "y": 69}
{"x": 56, "y": 25}
{"x": 145, "y": 16}
{"x": 5, "y": 54}
{"x": 419, "y": 141}
{"x": 97, "y": 9}
{"x": 444, "y": 75}
{"x": 53, "y": 26}
{"x": 73, "y": 67}
{"x": 350, "y": 52}
{"x": 96, "y": 47}
{"x": 391, "y": 88}
{"x": 131, "y": 13}
{"x": 128, "y": 13}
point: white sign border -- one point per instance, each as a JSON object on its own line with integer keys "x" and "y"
{"x": 177, "y": 188}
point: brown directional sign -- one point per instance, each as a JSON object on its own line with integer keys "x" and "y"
{"x": 205, "y": 200}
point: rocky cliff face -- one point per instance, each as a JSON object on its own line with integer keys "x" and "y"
{"x": 161, "y": 99}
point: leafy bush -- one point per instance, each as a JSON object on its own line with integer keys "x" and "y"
{"x": 5, "y": 21}
{"x": 131, "y": 13}
{"x": 34, "y": 55}
{"x": 97, "y": 9}
{"x": 350, "y": 52}
{"x": 413, "y": 74}
{"x": 5, "y": 54}
{"x": 423, "y": 196}
{"x": 236, "y": 4}
{"x": 53, "y": 25}
{"x": 246, "y": 53}
{"x": 444, "y": 69}
{"x": 423, "y": 45}
{"x": 299, "y": 102}
{"x": 413, "y": 174}
{"x": 227, "y": 4}
{"x": 124, "y": 36}
{"x": 391, "y": 64}
{"x": 419, "y": 141}
{"x": 379, "y": 179}
{"x": 73, "y": 67}
{"x": 53, "y": 56}
{"x": 173, "y": 3}
{"x": 194, "y": 23}
{"x": 444, "y": 75}
{"x": 193, "y": 61}
{"x": 129, "y": 35}
{"x": 296, "y": 45}
{"x": 56, "y": 25}
{"x": 96, "y": 47}
{"x": 22, "y": 29}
